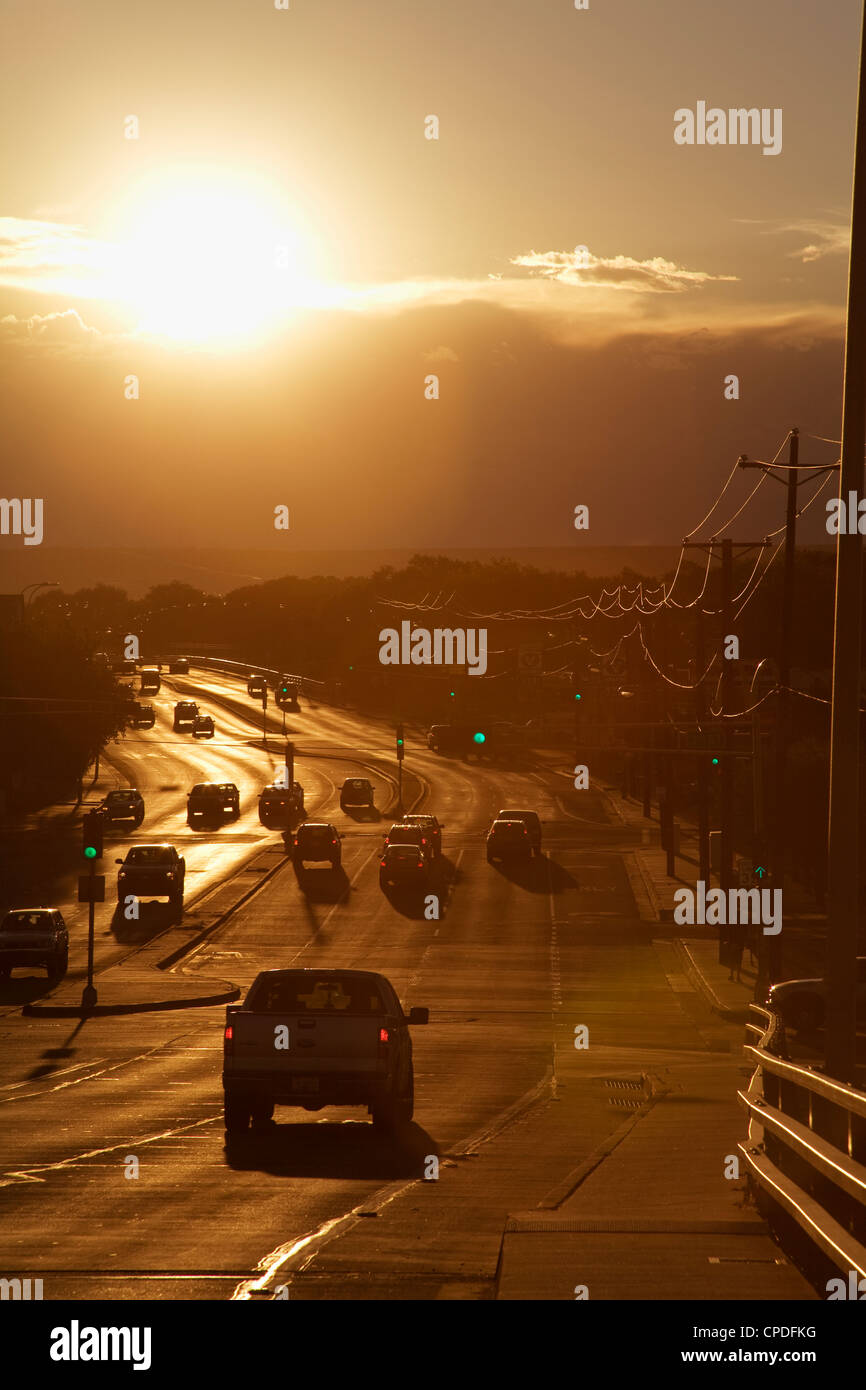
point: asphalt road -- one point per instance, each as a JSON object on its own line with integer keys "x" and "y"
{"x": 517, "y": 958}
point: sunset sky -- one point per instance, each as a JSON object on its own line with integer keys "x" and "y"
{"x": 282, "y": 257}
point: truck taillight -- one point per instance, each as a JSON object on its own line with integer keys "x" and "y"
{"x": 383, "y": 1035}
{"x": 228, "y": 1035}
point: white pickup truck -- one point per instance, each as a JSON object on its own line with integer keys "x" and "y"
{"x": 312, "y": 1038}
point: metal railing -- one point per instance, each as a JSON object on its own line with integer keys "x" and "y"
{"x": 306, "y": 684}
{"x": 806, "y": 1148}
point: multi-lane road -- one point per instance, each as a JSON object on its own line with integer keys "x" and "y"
{"x": 517, "y": 958}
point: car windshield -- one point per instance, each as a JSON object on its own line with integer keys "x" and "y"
{"x": 122, "y": 796}
{"x": 309, "y": 992}
{"x": 150, "y": 854}
{"x": 26, "y": 921}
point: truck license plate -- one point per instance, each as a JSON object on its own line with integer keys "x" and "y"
{"x": 305, "y": 1083}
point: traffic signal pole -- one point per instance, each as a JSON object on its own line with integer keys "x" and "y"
{"x": 400, "y": 752}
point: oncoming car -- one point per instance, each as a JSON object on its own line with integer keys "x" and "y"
{"x": 151, "y": 871}
{"x": 123, "y": 804}
{"x": 185, "y": 714}
{"x": 34, "y": 936}
{"x": 356, "y": 792}
{"x": 210, "y": 802}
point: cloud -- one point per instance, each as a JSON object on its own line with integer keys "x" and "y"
{"x": 441, "y": 354}
{"x": 830, "y": 236}
{"x": 52, "y": 257}
{"x": 65, "y": 327}
{"x": 583, "y": 269}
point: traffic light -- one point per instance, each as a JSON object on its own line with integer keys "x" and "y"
{"x": 400, "y": 748}
{"x": 479, "y": 737}
{"x": 284, "y": 690}
{"x": 92, "y": 835}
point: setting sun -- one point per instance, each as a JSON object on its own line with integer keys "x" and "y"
{"x": 210, "y": 261}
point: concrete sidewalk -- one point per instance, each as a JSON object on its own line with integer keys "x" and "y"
{"x": 652, "y": 1215}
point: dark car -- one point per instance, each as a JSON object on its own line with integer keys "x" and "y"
{"x": 432, "y": 828}
{"x": 203, "y": 726}
{"x": 124, "y": 804}
{"x": 213, "y": 802}
{"x": 532, "y": 823}
{"x": 403, "y": 864}
{"x": 179, "y": 666}
{"x": 279, "y": 806}
{"x": 256, "y": 687}
{"x": 447, "y": 738}
{"x": 406, "y": 832}
{"x": 150, "y": 681}
{"x": 356, "y": 791}
{"x": 508, "y": 839}
{"x": 143, "y": 717}
{"x": 185, "y": 714}
{"x": 34, "y": 936}
{"x": 152, "y": 871}
{"x": 286, "y": 694}
{"x": 803, "y": 1003}
{"x": 314, "y": 842}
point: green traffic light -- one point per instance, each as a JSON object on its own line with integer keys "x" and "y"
{"x": 451, "y": 693}
{"x": 479, "y": 738}
{"x": 578, "y": 697}
{"x": 90, "y": 852}
{"x": 715, "y": 762}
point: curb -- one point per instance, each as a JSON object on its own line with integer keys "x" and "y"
{"x": 225, "y": 996}
{"x": 693, "y": 972}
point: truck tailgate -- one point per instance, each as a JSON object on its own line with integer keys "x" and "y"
{"x": 316, "y": 1044}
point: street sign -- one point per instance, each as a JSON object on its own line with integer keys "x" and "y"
{"x": 91, "y": 888}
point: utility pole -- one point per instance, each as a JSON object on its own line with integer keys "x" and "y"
{"x": 726, "y": 808}
{"x": 844, "y": 822}
{"x": 703, "y": 770}
{"x": 726, "y": 816}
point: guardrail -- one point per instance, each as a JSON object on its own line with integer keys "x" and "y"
{"x": 805, "y": 1150}
{"x": 245, "y": 668}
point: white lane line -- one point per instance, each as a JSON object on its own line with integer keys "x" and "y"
{"x": 27, "y": 1174}
{"x": 555, "y": 979}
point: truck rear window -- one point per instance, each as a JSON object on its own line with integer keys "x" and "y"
{"x": 318, "y": 994}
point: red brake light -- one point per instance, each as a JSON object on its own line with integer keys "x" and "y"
{"x": 333, "y": 842}
{"x": 228, "y": 1033}
{"x": 383, "y": 863}
{"x": 420, "y": 863}
{"x": 383, "y": 1035}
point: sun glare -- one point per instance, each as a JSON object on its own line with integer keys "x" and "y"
{"x": 213, "y": 263}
